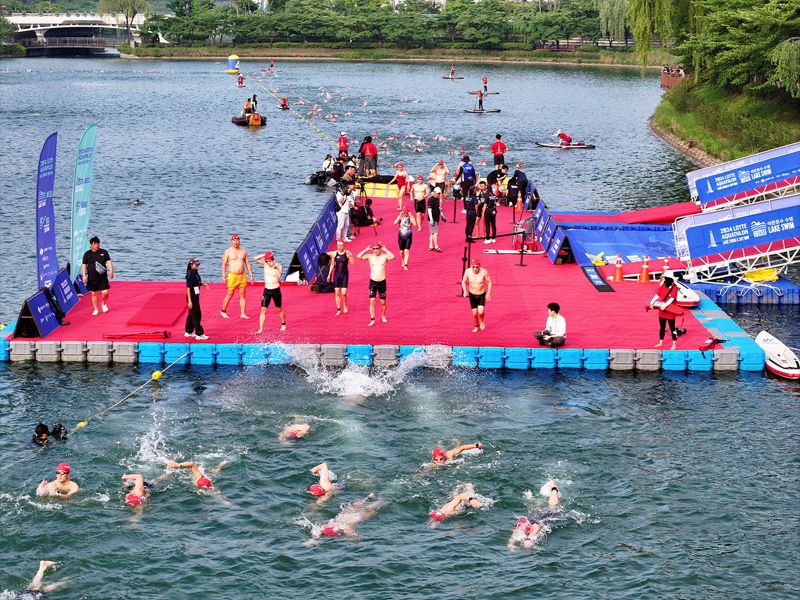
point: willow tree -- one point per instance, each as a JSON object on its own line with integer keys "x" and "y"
{"x": 127, "y": 8}
{"x": 613, "y": 17}
{"x": 648, "y": 17}
{"x": 786, "y": 58}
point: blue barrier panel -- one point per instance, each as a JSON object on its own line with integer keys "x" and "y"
{"x": 229, "y": 354}
{"x": 278, "y": 354}
{"x": 465, "y": 356}
{"x": 254, "y": 354}
{"x": 173, "y": 351}
{"x": 360, "y": 354}
{"x": 699, "y": 362}
{"x": 518, "y": 358}
{"x": 569, "y": 358}
{"x": 491, "y": 357}
{"x": 202, "y": 354}
{"x": 406, "y": 351}
{"x": 595, "y": 359}
{"x": 151, "y": 352}
{"x": 543, "y": 358}
{"x": 673, "y": 360}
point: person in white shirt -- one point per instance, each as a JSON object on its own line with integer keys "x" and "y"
{"x": 555, "y": 329}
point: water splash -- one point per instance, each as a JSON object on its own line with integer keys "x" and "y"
{"x": 152, "y": 445}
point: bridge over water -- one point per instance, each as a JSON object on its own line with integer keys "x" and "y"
{"x": 74, "y": 33}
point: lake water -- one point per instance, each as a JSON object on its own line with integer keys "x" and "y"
{"x": 674, "y": 485}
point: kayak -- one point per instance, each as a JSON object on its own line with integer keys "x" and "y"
{"x": 779, "y": 358}
{"x": 481, "y": 111}
{"x": 580, "y": 145}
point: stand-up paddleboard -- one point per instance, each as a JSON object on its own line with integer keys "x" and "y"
{"x": 779, "y": 357}
{"x": 687, "y": 297}
{"x": 481, "y": 111}
{"x": 474, "y": 93}
{"x": 448, "y": 77}
{"x": 568, "y": 147}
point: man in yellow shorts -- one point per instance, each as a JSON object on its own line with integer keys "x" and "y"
{"x": 236, "y": 261}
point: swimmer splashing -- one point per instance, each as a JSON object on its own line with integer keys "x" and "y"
{"x": 531, "y": 530}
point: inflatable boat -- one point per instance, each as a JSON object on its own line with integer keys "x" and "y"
{"x": 245, "y": 121}
{"x": 780, "y": 359}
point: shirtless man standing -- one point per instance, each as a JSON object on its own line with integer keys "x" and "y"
{"x": 419, "y": 191}
{"x": 480, "y": 290}
{"x": 235, "y": 258}
{"x": 438, "y": 177}
{"x": 377, "y": 277}
{"x": 272, "y": 289}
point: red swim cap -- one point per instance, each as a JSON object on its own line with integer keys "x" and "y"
{"x": 436, "y": 515}
{"x": 437, "y": 453}
{"x": 203, "y": 482}
{"x": 269, "y": 256}
{"x": 63, "y": 467}
{"x": 524, "y": 525}
{"x": 291, "y": 434}
{"x": 133, "y": 500}
{"x": 475, "y": 262}
{"x": 235, "y": 236}
{"x": 316, "y": 490}
{"x": 331, "y": 531}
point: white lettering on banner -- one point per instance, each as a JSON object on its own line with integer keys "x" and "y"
{"x": 759, "y": 228}
{"x": 744, "y": 176}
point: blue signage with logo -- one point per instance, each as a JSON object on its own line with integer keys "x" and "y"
{"x": 555, "y": 246}
{"x": 549, "y": 232}
{"x": 64, "y": 292}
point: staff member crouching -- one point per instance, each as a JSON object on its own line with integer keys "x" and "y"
{"x": 555, "y": 328}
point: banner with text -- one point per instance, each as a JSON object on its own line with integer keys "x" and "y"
{"x": 45, "y": 214}
{"x": 82, "y": 199}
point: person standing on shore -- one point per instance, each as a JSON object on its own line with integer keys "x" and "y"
{"x": 400, "y": 178}
{"x": 97, "y": 269}
{"x": 377, "y": 278}
{"x": 236, "y": 261}
{"x": 406, "y": 222}
{"x": 480, "y": 291}
{"x": 272, "y": 289}
{"x": 193, "y": 327}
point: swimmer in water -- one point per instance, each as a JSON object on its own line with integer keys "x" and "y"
{"x": 325, "y": 488}
{"x": 441, "y": 457}
{"x": 40, "y": 435}
{"x": 456, "y": 506}
{"x": 138, "y": 493}
{"x": 295, "y": 431}
{"x": 37, "y": 589}
{"x": 61, "y": 487}
{"x": 527, "y": 532}
{"x": 200, "y": 480}
{"x": 351, "y": 515}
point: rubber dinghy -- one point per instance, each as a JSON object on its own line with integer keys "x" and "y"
{"x": 779, "y": 357}
{"x": 574, "y": 146}
{"x": 245, "y": 121}
{"x": 479, "y": 111}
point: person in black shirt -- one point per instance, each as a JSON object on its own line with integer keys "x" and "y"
{"x": 193, "y": 283}
{"x": 490, "y": 219}
{"x": 495, "y": 177}
{"x": 469, "y": 207}
{"x": 97, "y": 269}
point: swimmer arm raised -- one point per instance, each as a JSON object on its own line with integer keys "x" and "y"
{"x": 451, "y": 454}
{"x": 186, "y": 465}
{"x": 389, "y": 255}
{"x": 44, "y": 488}
{"x": 138, "y": 483}
{"x": 361, "y": 254}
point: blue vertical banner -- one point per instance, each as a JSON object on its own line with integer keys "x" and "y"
{"x": 45, "y": 214}
{"x": 82, "y": 199}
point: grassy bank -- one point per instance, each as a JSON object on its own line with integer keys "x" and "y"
{"x": 727, "y": 125}
{"x": 589, "y": 55}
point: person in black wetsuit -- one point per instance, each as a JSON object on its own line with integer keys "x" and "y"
{"x": 490, "y": 218}
{"x": 472, "y": 214}
{"x": 193, "y": 327}
{"x": 340, "y": 275}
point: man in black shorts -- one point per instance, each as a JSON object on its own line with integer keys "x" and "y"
{"x": 480, "y": 290}
{"x": 272, "y": 289}
{"x": 378, "y": 257}
{"x": 97, "y": 268}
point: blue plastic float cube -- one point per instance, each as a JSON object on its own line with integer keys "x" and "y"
{"x": 229, "y": 354}
{"x": 673, "y": 360}
{"x": 278, "y": 354}
{"x": 491, "y": 357}
{"x": 151, "y": 352}
{"x": 543, "y": 358}
{"x": 406, "y": 351}
{"x": 751, "y": 355}
{"x": 202, "y": 354}
{"x": 254, "y": 354}
{"x": 595, "y": 359}
{"x": 518, "y": 358}
{"x": 360, "y": 354}
{"x": 465, "y": 356}
{"x": 700, "y": 361}
{"x": 172, "y": 352}
{"x": 4, "y": 350}
{"x": 569, "y": 358}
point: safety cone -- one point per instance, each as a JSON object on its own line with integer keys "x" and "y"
{"x": 520, "y": 207}
{"x": 665, "y": 266}
{"x": 645, "y": 275}
{"x": 618, "y": 270}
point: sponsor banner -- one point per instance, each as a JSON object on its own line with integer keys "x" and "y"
{"x": 64, "y": 291}
{"x": 45, "y": 214}
{"x": 82, "y": 198}
{"x": 549, "y": 232}
{"x": 538, "y": 229}
{"x": 555, "y": 245}
{"x": 308, "y": 253}
{"x": 37, "y": 317}
{"x": 752, "y": 230}
{"x": 733, "y": 212}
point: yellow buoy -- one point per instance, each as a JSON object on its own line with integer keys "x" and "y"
{"x": 82, "y": 424}
{"x": 156, "y": 375}
{"x": 233, "y": 64}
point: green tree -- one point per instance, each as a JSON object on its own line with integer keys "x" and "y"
{"x": 649, "y": 17}
{"x": 7, "y": 30}
{"x": 786, "y": 58}
{"x": 128, "y": 8}
{"x": 613, "y": 18}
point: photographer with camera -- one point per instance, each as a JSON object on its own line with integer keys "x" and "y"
{"x": 345, "y": 201}
{"x": 555, "y": 328}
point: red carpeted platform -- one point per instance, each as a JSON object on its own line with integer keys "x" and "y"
{"x": 162, "y": 309}
{"x": 424, "y": 302}
{"x": 658, "y": 215}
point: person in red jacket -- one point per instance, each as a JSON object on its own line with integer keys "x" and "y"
{"x": 565, "y": 139}
{"x": 343, "y": 143}
{"x": 499, "y": 150}
{"x": 370, "y": 153}
{"x": 485, "y": 83}
{"x": 664, "y": 301}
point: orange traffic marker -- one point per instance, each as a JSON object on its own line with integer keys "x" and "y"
{"x": 644, "y": 277}
{"x": 665, "y": 266}
{"x": 520, "y": 207}
{"x": 618, "y": 270}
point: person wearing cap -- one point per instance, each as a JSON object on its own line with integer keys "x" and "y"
{"x": 406, "y": 222}
{"x": 435, "y": 215}
{"x": 200, "y": 480}
{"x": 664, "y": 301}
{"x": 235, "y": 260}
{"x": 555, "y": 328}
{"x": 499, "y": 150}
{"x": 339, "y": 275}
{"x": 477, "y": 284}
{"x": 294, "y": 431}
{"x": 441, "y": 457}
{"x": 378, "y": 256}
{"x": 272, "y": 289}
{"x": 137, "y": 495}
{"x": 193, "y": 328}
{"x": 528, "y": 531}
{"x": 457, "y": 505}
{"x": 438, "y": 177}
{"x": 325, "y": 488}
{"x": 400, "y": 179}
{"x": 97, "y": 269}
{"x": 61, "y": 487}
{"x": 344, "y": 524}
{"x": 566, "y": 140}
{"x": 343, "y": 143}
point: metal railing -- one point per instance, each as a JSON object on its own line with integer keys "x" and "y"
{"x": 72, "y": 42}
